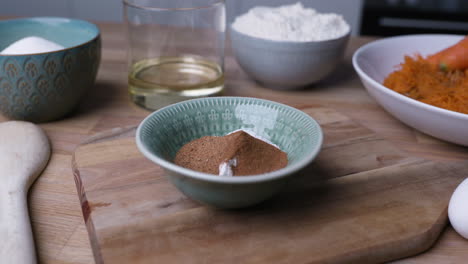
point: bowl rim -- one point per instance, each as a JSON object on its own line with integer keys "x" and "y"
{"x": 375, "y": 84}
{"x": 45, "y": 18}
{"x": 274, "y": 175}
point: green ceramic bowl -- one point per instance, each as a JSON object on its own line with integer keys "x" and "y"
{"x": 164, "y": 132}
{"x": 46, "y": 86}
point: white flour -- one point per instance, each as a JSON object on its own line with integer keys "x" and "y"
{"x": 291, "y": 23}
{"x": 30, "y": 45}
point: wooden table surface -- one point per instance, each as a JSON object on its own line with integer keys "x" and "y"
{"x": 56, "y": 216}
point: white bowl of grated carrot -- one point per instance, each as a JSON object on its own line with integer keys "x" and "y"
{"x": 374, "y": 61}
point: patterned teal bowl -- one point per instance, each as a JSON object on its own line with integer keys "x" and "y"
{"x": 164, "y": 132}
{"x": 45, "y": 86}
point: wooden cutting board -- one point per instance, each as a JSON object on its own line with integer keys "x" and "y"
{"x": 361, "y": 201}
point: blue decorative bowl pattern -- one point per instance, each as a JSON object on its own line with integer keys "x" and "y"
{"x": 45, "y": 86}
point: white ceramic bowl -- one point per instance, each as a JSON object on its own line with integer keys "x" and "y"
{"x": 286, "y": 64}
{"x": 375, "y": 60}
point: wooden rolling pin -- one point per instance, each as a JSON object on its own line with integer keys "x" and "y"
{"x": 24, "y": 153}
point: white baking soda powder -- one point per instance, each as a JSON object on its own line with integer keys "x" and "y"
{"x": 291, "y": 23}
{"x": 31, "y": 45}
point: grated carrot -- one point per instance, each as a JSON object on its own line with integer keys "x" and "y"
{"x": 425, "y": 82}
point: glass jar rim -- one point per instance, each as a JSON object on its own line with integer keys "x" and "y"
{"x": 130, "y": 4}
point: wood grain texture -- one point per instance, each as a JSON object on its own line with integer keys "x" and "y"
{"x": 361, "y": 201}
{"x": 55, "y": 211}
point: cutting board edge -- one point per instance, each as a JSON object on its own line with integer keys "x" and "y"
{"x": 86, "y": 212}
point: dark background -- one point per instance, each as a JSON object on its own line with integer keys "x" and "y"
{"x": 397, "y": 17}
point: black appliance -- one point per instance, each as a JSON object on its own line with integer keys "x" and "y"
{"x": 399, "y": 17}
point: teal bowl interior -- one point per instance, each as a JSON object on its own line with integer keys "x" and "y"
{"x": 165, "y": 131}
{"x": 66, "y": 32}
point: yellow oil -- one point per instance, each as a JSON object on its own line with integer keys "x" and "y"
{"x": 157, "y": 82}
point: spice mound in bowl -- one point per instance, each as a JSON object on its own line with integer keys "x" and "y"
{"x": 235, "y": 154}
{"x": 201, "y": 142}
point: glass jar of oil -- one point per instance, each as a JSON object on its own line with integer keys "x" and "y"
{"x": 161, "y": 81}
{"x": 176, "y": 50}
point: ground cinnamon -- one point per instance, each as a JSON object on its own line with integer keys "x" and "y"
{"x": 252, "y": 155}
